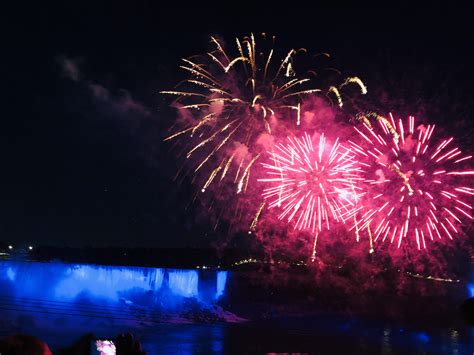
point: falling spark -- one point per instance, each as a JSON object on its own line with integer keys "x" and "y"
{"x": 254, "y": 223}
{"x": 355, "y": 80}
{"x": 313, "y": 254}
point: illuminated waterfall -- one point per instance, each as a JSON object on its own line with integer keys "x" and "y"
{"x": 98, "y": 284}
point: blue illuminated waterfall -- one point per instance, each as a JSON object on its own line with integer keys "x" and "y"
{"x": 111, "y": 284}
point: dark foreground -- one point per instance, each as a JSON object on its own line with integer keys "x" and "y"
{"x": 324, "y": 334}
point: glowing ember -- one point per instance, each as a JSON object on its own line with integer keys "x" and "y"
{"x": 414, "y": 183}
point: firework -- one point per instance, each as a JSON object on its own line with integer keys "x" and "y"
{"x": 414, "y": 182}
{"x": 311, "y": 184}
{"x": 230, "y": 100}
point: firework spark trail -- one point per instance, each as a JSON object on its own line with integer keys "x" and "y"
{"x": 415, "y": 187}
{"x": 244, "y": 90}
{"x": 254, "y": 223}
{"x": 387, "y": 125}
{"x": 312, "y": 184}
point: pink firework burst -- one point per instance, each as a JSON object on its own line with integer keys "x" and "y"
{"x": 415, "y": 186}
{"x": 311, "y": 184}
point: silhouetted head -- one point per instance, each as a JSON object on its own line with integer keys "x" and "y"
{"x": 23, "y": 344}
{"x": 467, "y": 309}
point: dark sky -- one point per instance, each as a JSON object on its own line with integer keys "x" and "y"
{"x": 82, "y": 155}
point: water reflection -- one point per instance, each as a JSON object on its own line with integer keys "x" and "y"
{"x": 185, "y": 339}
{"x": 386, "y": 342}
{"x": 322, "y": 335}
{"x": 455, "y": 341}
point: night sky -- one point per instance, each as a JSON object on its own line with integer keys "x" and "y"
{"x": 83, "y": 162}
